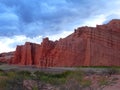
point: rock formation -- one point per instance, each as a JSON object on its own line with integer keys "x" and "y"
{"x": 87, "y": 46}
{"x": 6, "y": 57}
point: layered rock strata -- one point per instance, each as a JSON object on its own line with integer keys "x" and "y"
{"x": 87, "y": 46}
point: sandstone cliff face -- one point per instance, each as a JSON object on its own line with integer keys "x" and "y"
{"x": 34, "y": 54}
{"x": 87, "y": 46}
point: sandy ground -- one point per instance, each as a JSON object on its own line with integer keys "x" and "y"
{"x": 94, "y": 78}
{"x": 115, "y": 86}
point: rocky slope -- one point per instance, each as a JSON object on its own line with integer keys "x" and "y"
{"x": 87, "y": 46}
{"x": 6, "y": 57}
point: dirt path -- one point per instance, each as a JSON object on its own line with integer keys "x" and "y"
{"x": 115, "y": 86}
{"x": 50, "y": 69}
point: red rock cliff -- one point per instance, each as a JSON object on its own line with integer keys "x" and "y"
{"x": 87, "y": 46}
{"x": 6, "y": 57}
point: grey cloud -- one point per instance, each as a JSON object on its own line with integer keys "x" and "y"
{"x": 38, "y": 17}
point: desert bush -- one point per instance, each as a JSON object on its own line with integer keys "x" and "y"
{"x": 53, "y": 78}
{"x": 76, "y": 79}
{"x": 77, "y": 75}
{"x": 85, "y": 83}
{"x": 14, "y": 84}
{"x": 2, "y": 73}
{"x": 71, "y": 84}
{"x": 35, "y": 88}
{"x": 112, "y": 71}
{"x": 3, "y": 82}
{"x": 14, "y": 80}
{"x": 115, "y": 79}
{"x": 1, "y": 70}
{"x": 25, "y": 74}
{"x": 103, "y": 81}
{"x": 11, "y": 74}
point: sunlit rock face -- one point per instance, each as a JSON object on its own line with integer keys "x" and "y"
{"x": 87, "y": 46}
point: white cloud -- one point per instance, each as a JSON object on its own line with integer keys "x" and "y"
{"x": 59, "y": 35}
{"x": 9, "y": 44}
{"x": 96, "y": 20}
{"x": 5, "y": 48}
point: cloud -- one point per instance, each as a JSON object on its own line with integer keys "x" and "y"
{"x": 9, "y": 43}
{"x": 49, "y": 16}
{"x": 63, "y": 34}
{"x": 95, "y": 20}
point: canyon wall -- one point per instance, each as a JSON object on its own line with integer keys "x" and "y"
{"x": 87, "y": 46}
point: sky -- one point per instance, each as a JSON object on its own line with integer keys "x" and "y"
{"x": 33, "y": 20}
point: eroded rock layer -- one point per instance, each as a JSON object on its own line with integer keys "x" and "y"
{"x": 87, "y": 46}
{"x": 6, "y": 57}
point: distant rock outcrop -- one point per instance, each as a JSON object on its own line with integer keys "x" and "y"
{"x": 87, "y": 46}
{"x": 6, "y": 57}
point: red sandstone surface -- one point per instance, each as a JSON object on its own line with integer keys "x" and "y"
{"x": 6, "y": 57}
{"x": 87, "y": 46}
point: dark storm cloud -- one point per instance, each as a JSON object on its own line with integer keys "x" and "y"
{"x": 48, "y": 15}
{"x": 41, "y": 17}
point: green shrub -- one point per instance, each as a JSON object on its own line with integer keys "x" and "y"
{"x": 25, "y": 74}
{"x": 3, "y": 82}
{"x": 11, "y": 74}
{"x": 86, "y": 83}
{"x": 35, "y": 88}
{"x": 53, "y": 78}
{"x": 2, "y": 73}
{"x": 103, "y": 81}
{"x": 112, "y": 71}
{"x": 77, "y": 75}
